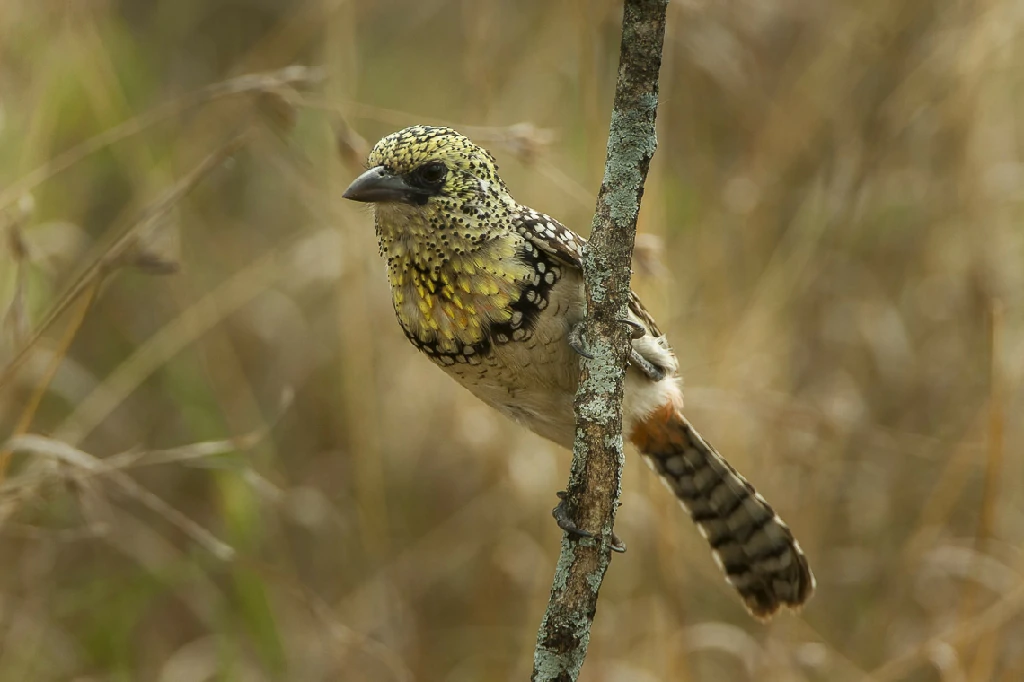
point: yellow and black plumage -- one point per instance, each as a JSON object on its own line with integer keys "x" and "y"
{"x": 491, "y": 290}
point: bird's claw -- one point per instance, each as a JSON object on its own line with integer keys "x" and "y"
{"x": 576, "y": 341}
{"x": 636, "y": 330}
{"x": 561, "y": 516}
{"x": 649, "y": 369}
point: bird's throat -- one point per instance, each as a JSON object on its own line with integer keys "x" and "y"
{"x": 448, "y": 290}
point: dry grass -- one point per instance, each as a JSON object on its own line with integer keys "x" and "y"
{"x": 833, "y": 241}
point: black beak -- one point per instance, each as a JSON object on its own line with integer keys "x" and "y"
{"x": 378, "y": 186}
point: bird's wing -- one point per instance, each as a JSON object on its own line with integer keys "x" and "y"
{"x": 565, "y": 246}
{"x": 551, "y": 237}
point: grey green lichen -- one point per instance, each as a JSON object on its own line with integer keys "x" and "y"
{"x": 631, "y": 144}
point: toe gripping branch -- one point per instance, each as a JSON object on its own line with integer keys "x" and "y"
{"x": 636, "y": 331}
{"x": 576, "y": 342}
{"x": 561, "y": 516}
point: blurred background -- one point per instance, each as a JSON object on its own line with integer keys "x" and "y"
{"x": 228, "y": 463}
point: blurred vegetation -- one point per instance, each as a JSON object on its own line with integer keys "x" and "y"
{"x": 241, "y": 471}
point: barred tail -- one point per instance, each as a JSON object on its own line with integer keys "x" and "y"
{"x": 752, "y": 545}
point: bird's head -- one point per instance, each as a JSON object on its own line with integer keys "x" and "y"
{"x": 431, "y": 178}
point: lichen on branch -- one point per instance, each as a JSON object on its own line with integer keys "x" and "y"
{"x": 596, "y": 473}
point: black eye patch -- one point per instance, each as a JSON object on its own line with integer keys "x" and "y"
{"x": 429, "y": 176}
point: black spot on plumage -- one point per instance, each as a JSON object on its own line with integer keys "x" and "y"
{"x": 757, "y": 527}
{"x": 467, "y": 354}
{"x": 533, "y": 298}
{"x": 734, "y": 569}
{"x": 703, "y": 516}
{"x": 769, "y": 553}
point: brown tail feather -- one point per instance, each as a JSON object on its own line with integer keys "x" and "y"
{"x": 754, "y": 548}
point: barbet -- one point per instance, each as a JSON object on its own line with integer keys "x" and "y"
{"x": 491, "y": 291}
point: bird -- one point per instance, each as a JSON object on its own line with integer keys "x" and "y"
{"x": 492, "y": 292}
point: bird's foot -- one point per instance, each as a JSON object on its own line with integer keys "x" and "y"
{"x": 561, "y": 516}
{"x": 636, "y": 330}
{"x": 649, "y": 369}
{"x": 576, "y": 341}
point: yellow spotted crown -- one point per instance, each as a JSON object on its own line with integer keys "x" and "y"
{"x": 469, "y": 165}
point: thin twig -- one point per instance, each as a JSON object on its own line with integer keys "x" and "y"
{"x": 83, "y": 462}
{"x": 124, "y": 244}
{"x": 964, "y": 633}
{"x": 987, "y": 649}
{"x": 28, "y": 412}
{"x": 594, "y": 480}
{"x": 270, "y": 81}
{"x": 124, "y": 247}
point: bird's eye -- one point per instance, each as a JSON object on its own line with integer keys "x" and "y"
{"x": 432, "y": 173}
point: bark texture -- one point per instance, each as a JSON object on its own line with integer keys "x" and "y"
{"x": 594, "y": 479}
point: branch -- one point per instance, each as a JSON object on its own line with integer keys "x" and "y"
{"x": 594, "y": 479}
